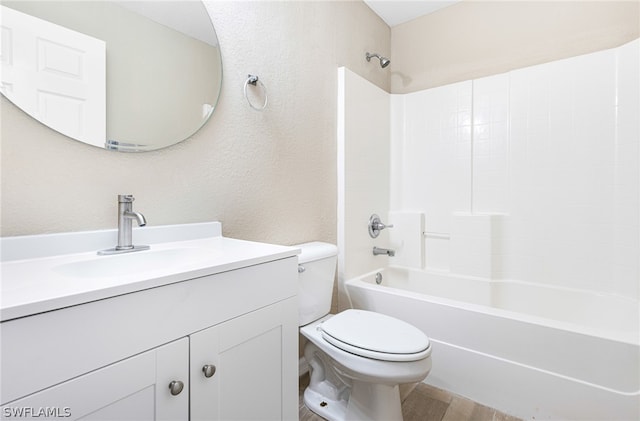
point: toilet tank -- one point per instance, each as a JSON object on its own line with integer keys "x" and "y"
{"x": 316, "y": 273}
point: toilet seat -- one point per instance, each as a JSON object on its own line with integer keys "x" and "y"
{"x": 376, "y": 336}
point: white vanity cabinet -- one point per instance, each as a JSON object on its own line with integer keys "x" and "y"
{"x": 246, "y": 361}
{"x": 114, "y": 358}
{"x": 232, "y": 371}
{"x": 136, "y": 388}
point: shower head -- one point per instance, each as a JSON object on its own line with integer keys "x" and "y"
{"x": 384, "y": 62}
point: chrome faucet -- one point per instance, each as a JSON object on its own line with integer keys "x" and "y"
{"x": 377, "y": 251}
{"x": 126, "y": 215}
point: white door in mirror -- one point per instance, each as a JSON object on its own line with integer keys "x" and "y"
{"x": 65, "y": 71}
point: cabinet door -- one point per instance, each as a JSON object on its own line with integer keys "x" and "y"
{"x": 133, "y": 389}
{"x": 256, "y": 367}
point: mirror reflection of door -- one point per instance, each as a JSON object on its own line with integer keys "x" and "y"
{"x": 163, "y": 70}
{"x": 67, "y": 70}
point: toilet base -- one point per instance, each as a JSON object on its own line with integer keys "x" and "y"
{"x": 372, "y": 401}
{"x": 330, "y": 409}
{"x": 366, "y": 402}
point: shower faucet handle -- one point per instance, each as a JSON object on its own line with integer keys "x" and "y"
{"x": 376, "y": 225}
{"x": 380, "y": 226}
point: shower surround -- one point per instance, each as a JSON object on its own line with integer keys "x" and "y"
{"x": 529, "y": 176}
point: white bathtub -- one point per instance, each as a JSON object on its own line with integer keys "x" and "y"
{"x": 533, "y": 351}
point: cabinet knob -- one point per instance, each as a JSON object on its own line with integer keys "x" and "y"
{"x": 176, "y": 387}
{"x": 209, "y": 370}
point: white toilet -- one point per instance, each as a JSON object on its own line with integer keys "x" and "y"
{"x": 357, "y": 358}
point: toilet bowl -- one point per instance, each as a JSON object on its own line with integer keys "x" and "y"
{"x": 358, "y": 359}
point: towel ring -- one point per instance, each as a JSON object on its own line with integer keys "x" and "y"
{"x": 253, "y": 80}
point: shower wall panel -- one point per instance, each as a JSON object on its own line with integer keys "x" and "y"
{"x": 561, "y": 184}
{"x": 550, "y": 152}
{"x": 363, "y": 174}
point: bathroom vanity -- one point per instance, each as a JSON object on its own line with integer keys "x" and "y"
{"x": 199, "y": 327}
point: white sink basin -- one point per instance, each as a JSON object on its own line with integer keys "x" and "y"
{"x": 52, "y": 271}
{"x": 164, "y": 260}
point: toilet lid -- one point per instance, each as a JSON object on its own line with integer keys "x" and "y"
{"x": 375, "y": 335}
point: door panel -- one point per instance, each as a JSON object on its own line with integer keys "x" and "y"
{"x": 55, "y": 74}
{"x": 135, "y": 389}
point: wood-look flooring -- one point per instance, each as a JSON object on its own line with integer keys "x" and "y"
{"x": 427, "y": 403}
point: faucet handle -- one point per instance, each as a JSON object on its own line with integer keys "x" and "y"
{"x": 379, "y": 226}
{"x": 125, "y": 198}
{"x": 376, "y": 225}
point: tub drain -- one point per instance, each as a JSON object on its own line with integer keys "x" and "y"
{"x": 378, "y": 278}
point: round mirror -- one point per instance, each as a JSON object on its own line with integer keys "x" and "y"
{"x": 130, "y": 76}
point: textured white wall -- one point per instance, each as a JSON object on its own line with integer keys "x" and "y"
{"x": 267, "y": 176}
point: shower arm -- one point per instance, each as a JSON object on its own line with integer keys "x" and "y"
{"x": 370, "y": 56}
{"x": 384, "y": 62}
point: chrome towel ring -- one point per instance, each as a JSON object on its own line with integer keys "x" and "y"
{"x": 254, "y": 80}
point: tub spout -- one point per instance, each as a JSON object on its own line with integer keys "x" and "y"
{"x": 388, "y": 252}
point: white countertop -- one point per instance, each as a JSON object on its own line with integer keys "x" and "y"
{"x": 49, "y": 282}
